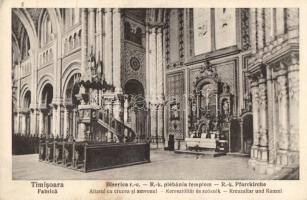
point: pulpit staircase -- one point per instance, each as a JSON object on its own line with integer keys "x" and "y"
{"x": 120, "y": 131}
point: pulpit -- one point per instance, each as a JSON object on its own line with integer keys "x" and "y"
{"x": 103, "y": 140}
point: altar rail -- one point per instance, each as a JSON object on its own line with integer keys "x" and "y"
{"x": 86, "y": 157}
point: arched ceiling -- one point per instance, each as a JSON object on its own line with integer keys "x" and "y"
{"x": 34, "y": 14}
{"x": 17, "y": 26}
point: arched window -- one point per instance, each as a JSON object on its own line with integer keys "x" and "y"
{"x": 46, "y": 30}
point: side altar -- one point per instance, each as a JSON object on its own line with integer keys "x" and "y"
{"x": 103, "y": 140}
{"x": 210, "y": 112}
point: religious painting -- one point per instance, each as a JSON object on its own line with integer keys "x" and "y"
{"x": 202, "y": 30}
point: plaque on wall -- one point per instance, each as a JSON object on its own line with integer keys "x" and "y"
{"x": 135, "y": 63}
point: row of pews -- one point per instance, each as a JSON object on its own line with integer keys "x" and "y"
{"x": 92, "y": 156}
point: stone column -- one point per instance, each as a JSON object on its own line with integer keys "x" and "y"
{"x": 253, "y": 29}
{"x": 241, "y": 136}
{"x": 147, "y": 63}
{"x": 260, "y": 28}
{"x": 92, "y": 30}
{"x": 33, "y": 121}
{"x": 66, "y": 121}
{"x": 255, "y": 146}
{"x": 153, "y": 66}
{"x": 133, "y": 121}
{"x": 58, "y": 126}
{"x": 283, "y": 134}
{"x": 263, "y": 131}
{"x": 84, "y": 43}
{"x": 126, "y": 105}
{"x": 54, "y": 116}
{"x": 117, "y": 50}
{"x": 75, "y": 125}
{"x": 160, "y": 126}
{"x": 99, "y": 35}
{"x": 268, "y": 29}
{"x": 108, "y": 49}
{"x": 81, "y": 132}
{"x": 271, "y": 121}
{"x": 293, "y": 78}
{"x": 153, "y": 125}
{"x": 292, "y": 18}
{"x": 159, "y": 65}
{"x": 17, "y": 127}
{"x": 117, "y": 109}
{"x": 292, "y": 22}
{"x": 41, "y": 122}
{"x": 159, "y": 87}
{"x": 23, "y": 123}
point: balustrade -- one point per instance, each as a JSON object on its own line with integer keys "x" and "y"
{"x": 72, "y": 40}
{"x": 26, "y": 67}
{"x": 46, "y": 56}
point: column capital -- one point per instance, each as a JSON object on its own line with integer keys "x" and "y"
{"x": 91, "y": 9}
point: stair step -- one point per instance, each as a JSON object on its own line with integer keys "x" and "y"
{"x": 202, "y": 153}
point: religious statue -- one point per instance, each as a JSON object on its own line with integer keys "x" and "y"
{"x": 206, "y": 67}
{"x": 175, "y": 111}
{"x": 92, "y": 63}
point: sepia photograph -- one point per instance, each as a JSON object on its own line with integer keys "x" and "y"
{"x": 155, "y": 93}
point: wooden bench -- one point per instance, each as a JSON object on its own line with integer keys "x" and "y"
{"x": 86, "y": 157}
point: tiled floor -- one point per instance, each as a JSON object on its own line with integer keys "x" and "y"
{"x": 164, "y": 165}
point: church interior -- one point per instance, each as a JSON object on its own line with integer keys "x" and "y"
{"x": 124, "y": 82}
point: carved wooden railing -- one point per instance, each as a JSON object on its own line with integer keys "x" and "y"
{"x": 116, "y": 127}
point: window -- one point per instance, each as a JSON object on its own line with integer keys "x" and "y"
{"x": 46, "y": 30}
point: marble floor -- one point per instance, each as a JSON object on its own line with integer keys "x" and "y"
{"x": 164, "y": 165}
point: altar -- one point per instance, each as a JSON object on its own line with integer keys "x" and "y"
{"x": 210, "y": 112}
{"x": 205, "y": 143}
